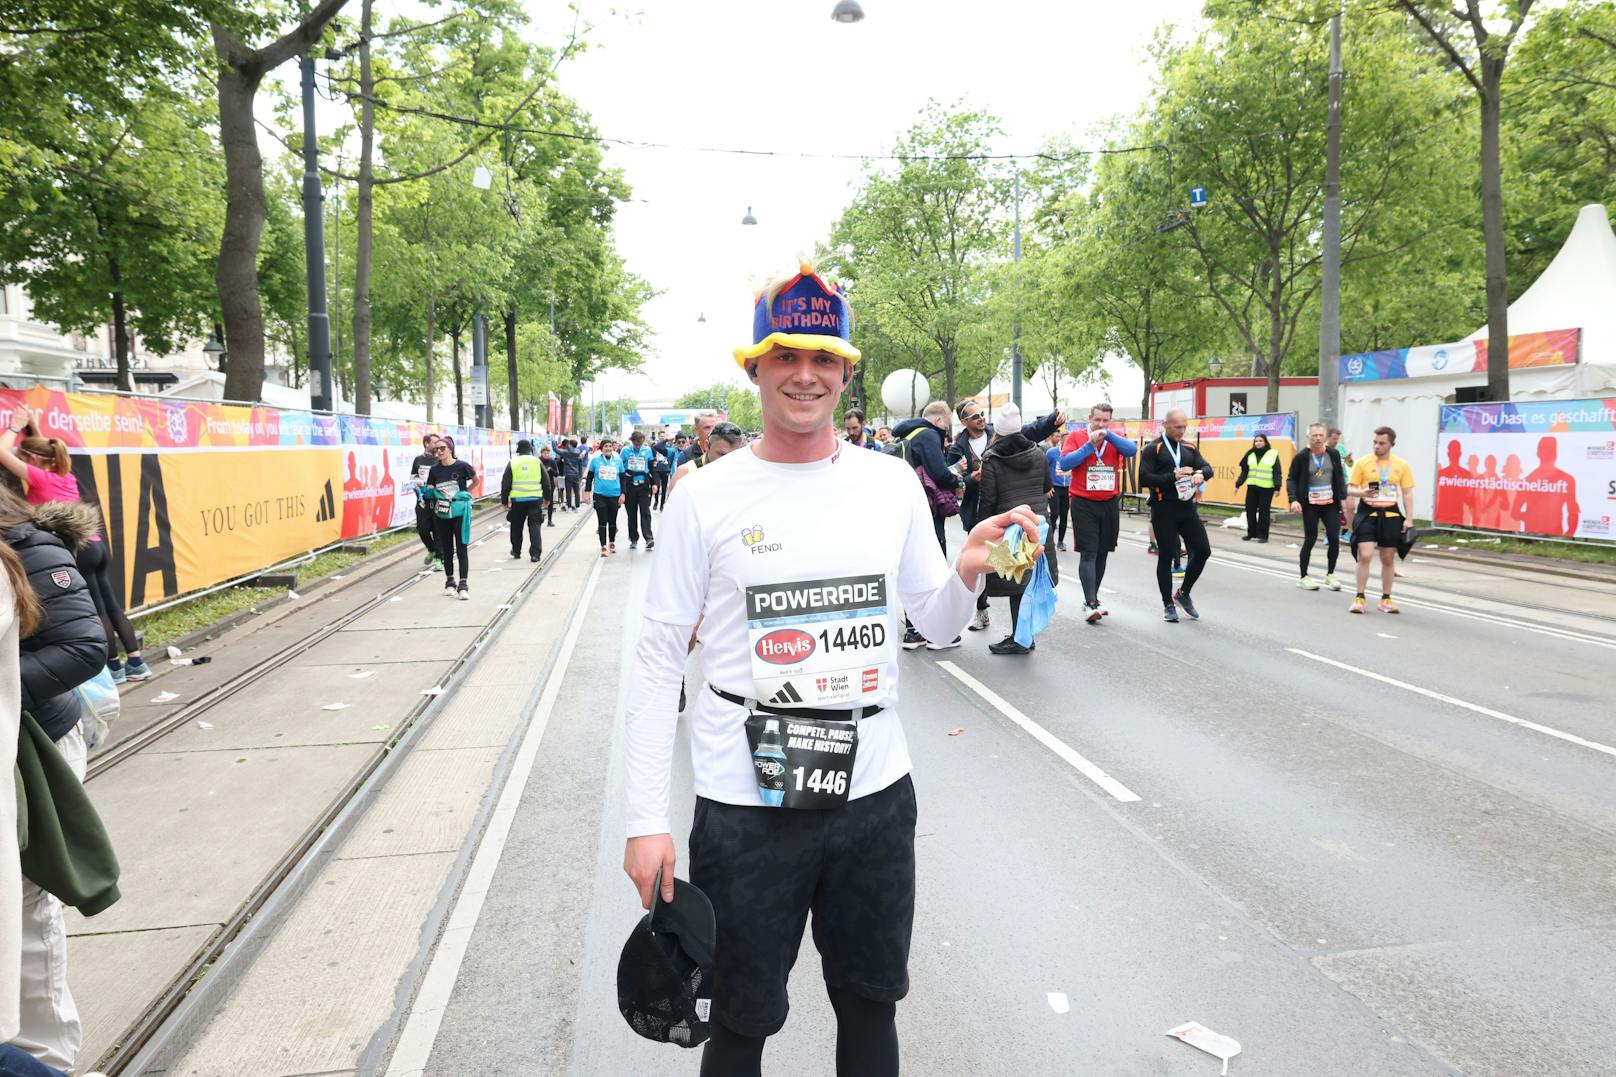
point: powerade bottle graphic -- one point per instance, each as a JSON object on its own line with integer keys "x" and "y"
{"x": 770, "y": 760}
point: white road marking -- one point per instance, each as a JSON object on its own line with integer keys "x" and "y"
{"x": 1043, "y": 736}
{"x": 1570, "y": 738}
{"x": 1474, "y": 615}
{"x": 420, "y": 1030}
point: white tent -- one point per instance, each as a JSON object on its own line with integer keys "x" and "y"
{"x": 1576, "y": 291}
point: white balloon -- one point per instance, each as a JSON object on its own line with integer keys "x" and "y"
{"x": 905, "y": 392}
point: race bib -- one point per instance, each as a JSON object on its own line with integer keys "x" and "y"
{"x": 819, "y": 643}
{"x": 1102, "y": 479}
{"x": 636, "y": 464}
{"x": 1380, "y": 496}
{"x": 446, "y": 492}
{"x": 802, "y": 762}
{"x": 606, "y": 473}
{"x": 1320, "y": 495}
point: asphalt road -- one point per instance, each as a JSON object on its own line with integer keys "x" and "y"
{"x": 1361, "y": 845}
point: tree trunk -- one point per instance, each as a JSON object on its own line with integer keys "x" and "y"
{"x": 510, "y": 368}
{"x": 120, "y": 330}
{"x": 1492, "y": 214}
{"x": 460, "y": 395}
{"x": 1144, "y": 401}
{"x": 362, "y": 253}
{"x": 431, "y": 340}
{"x": 948, "y": 375}
{"x": 237, "y": 272}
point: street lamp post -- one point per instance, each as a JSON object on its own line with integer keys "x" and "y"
{"x": 321, "y": 397}
{"x": 1330, "y": 292}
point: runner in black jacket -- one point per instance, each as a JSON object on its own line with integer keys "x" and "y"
{"x": 1173, "y": 473}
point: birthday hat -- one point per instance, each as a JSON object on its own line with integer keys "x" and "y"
{"x": 806, "y": 312}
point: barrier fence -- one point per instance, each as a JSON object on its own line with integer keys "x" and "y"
{"x": 193, "y": 493}
{"x": 1224, "y": 441}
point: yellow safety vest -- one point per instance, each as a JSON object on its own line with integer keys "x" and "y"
{"x": 527, "y": 478}
{"x": 1261, "y": 473}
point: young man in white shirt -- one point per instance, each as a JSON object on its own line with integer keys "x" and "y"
{"x": 801, "y": 769}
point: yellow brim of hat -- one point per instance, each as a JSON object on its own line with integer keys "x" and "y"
{"x": 808, "y": 342}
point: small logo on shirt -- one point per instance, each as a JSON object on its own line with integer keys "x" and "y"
{"x": 61, "y": 579}
{"x": 753, "y": 537}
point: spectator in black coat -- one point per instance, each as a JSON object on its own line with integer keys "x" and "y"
{"x": 70, "y": 646}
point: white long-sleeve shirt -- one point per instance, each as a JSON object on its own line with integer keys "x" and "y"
{"x": 742, "y": 521}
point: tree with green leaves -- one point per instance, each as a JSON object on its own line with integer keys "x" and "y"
{"x": 916, "y": 238}
{"x": 115, "y": 222}
{"x": 1477, "y": 42}
{"x": 740, "y": 405}
{"x": 1241, "y": 110}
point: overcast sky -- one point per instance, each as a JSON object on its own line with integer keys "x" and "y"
{"x": 780, "y": 75}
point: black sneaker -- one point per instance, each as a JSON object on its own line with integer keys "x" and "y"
{"x": 516, "y": 555}
{"x": 536, "y": 558}
{"x": 1008, "y": 645}
{"x": 449, "y": 588}
{"x": 1189, "y": 607}
{"x": 1170, "y": 615}
{"x": 913, "y": 640}
{"x": 650, "y": 544}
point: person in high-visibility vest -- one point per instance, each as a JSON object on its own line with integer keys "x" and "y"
{"x": 523, "y": 491}
{"x": 1261, "y": 475}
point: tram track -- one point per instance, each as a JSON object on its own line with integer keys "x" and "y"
{"x": 116, "y": 1060}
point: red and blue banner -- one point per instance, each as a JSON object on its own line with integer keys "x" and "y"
{"x": 1557, "y": 347}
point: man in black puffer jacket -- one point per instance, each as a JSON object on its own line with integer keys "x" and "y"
{"x": 70, "y": 646}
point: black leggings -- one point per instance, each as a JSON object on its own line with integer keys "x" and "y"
{"x": 606, "y": 518}
{"x": 1059, "y": 512}
{"x": 1173, "y": 525}
{"x": 866, "y": 1042}
{"x": 93, "y": 565}
{"x": 423, "y": 528}
{"x": 451, "y": 547}
{"x": 1090, "y": 571}
{"x": 1259, "y": 510}
{"x": 1312, "y": 517}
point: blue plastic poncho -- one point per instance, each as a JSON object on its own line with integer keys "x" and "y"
{"x": 1038, "y": 601}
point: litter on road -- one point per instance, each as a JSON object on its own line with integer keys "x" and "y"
{"x": 336, "y": 706}
{"x": 1215, "y": 1044}
{"x": 1058, "y": 1001}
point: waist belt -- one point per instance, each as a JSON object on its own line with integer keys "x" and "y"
{"x": 856, "y": 715}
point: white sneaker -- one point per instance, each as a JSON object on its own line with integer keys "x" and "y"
{"x": 1308, "y": 583}
{"x": 1332, "y": 583}
{"x": 949, "y": 645}
{"x": 979, "y": 622}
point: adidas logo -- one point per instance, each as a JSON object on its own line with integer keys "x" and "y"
{"x": 328, "y": 505}
{"x": 787, "y": 694}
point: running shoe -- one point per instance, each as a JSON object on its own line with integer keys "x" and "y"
{"x": 137, "y": 670}
{"x": 634, "y": 545}
{"x": 979, "y": 621}
{"x": 1170, "y": 614}
{"x": 430, "y": 557}
{"x": 465, "y": 592}
{"x": 912, "y": 639}
{"x": 1357, "y": 605}
{"x": 516, "y": 555}
{"x": 603, "y": 551}
{"x": 1331, "y": 582}
{"x": 650, "y": 544}
{"x": 1178, "y": 568}
{"x": 930, "y": 646}
{"x": 1388, "y": 606}
{"x": 1061, "y": 546}
{"x": 613, "y": 546}
{"x": 1189, "y": 607}
{"x": 437, "y": 563}
{"x": 1008, "y": 645}
{"x": 1247, "y": 538}
{"x": 1151, "y": 549}
{"x": 1093, "y": 615}
{"x": 119, "y": 675}
{"x": 1308, "y": 583}
{"x": 448, "y": 588}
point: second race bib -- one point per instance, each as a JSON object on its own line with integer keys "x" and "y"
{"x": 1102, "y": 479}
{"x": 606, "y": 473}
{"x": 819, "y": 643}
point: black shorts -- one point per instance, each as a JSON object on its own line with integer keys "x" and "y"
{"x": 765, "y": 869}
{"x": 1096, "y": 523}
{"x": 1384, "y": 529}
